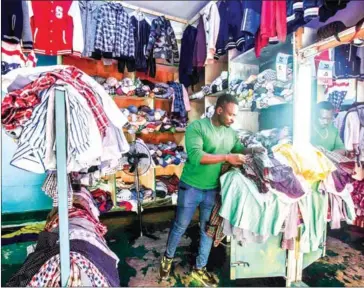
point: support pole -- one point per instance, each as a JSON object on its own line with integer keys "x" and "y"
{"x": 62, "y": 187}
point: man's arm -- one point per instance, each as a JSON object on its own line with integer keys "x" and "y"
{"x": 196, "y": 155}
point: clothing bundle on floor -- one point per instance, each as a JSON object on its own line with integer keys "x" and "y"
{"x": 93, "y": 264}
{"x": 279, "y": 188}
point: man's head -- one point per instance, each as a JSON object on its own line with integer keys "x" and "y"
{"x": 324, "y": 114}
{"x": 226, "y": 109}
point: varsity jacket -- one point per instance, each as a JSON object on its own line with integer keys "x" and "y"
{"x": 15, "y": 25}
{"x": 163, "y": 40}
{"x": 56, "y": 27}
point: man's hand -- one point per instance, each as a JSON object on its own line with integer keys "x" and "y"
{"x": 237, "y": 159}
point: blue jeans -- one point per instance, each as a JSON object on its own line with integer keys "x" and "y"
{"x": 189, "y": 198}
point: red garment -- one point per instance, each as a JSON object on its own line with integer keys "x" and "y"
{"x": 18, "y": 105}
{"x": 273, "y": 23}
{"x": 358, "y": 198}
{"x": 77, "y": 213}
{"x": 56, "y": 27}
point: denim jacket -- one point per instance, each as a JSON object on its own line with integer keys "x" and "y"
{"x": 89, "y": 10}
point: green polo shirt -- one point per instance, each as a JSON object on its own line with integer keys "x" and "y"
{"x": 329, "y": 139}
{"x": 202, "y": 137}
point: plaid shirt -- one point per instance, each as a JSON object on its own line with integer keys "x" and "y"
{"x": 178, "y": 103}
{"x": 72, "y": 76}
{"x": 17, "y": 106}
{"x": 114, "y": 32}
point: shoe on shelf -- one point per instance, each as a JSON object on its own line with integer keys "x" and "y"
{"x": 204, "y": 277}
{"x": 165, "y": 268}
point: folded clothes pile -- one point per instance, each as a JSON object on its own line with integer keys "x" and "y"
{"x": 262, "y": 90}
{"x": 126, "y": 195}
{"x": 147, "y": 120}
{"x": 167, "y": 154}
{"x": 103, "y": 200}
{"x": 166, "y": 185}
{"x": 126, "y": 87}
{"x": 219, "y": 84}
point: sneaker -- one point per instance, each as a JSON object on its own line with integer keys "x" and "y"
{"x": 165, "y": 268}
{"x": 204, "y": 277}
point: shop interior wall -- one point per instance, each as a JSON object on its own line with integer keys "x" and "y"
{"x": 21, "y": 190}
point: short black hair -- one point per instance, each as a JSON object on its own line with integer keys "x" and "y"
{"x": 225, "y": 99}
{"x": 325, "y": 105}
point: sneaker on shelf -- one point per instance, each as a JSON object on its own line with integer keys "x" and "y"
{"x": 204, "y": 277}
{"x": 165, "y": 268}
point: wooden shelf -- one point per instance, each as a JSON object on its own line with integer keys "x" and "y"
{"x": 345, "y": 37}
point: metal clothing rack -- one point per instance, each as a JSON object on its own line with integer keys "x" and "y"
{"x": 62, "y": 185}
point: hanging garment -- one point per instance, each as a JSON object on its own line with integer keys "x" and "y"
{"x": 273, "y": 24}
{"x": 186, "y": 62}
{"x": 230, "y": 36}
{"x": 211, "y": 20}
{"x": 89, "y": 11}
{"x": 329, "y": 8}
{"x": 12, "y": 58}
{"x": 162, "y": 42}
{"x": 251, "y": 16}
{"x": 199, "y": 52}
{"x": 294, "y": 15}
{"x": 141, "y": 32}
{"x": 114, "y": 33}
{"x": 56, "y": 27}
{"x": 354, "y": 132}
{"x": 15, "y": 25}
{"x": 347, "y": 63}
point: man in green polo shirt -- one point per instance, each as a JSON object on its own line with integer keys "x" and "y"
{"x": 210, "y": 143}
{"x": 324, "y": 133}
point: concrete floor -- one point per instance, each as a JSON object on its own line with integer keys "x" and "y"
{"x": 139, "y": 258}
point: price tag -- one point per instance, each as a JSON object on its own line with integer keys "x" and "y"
{"x": 282, "y": 66}
{"x": 324, "y": 73}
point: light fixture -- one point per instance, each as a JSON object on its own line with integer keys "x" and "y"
{"x": 302, "y": 105}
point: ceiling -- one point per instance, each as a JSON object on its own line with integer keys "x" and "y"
{"x": 181, "y": 9}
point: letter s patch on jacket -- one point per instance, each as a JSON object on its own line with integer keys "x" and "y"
{"x": 59, "y": 12}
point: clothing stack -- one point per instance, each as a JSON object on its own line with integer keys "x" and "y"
{"x": 220, "y": 84}
{"x": 126, "y": 195}
{"x": 358, "y": 198}
{"x": 167, "y": 154}
{"x": 94, "y": 122}
{"x": 92, "y": 262}
{"x": 166, "y": 185}
{"x": 280, "y": 188}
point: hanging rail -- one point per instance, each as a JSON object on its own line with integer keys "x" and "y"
{"x": 62, "y": 184}
{"x": 151, "y": 12}
{"x": 345, "y": 36}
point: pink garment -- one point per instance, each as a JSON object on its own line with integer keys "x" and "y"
{"x": 273, "y": 23}
{"x": 186, "y": 99}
